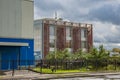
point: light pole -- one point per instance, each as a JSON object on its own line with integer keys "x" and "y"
{"x": 55, "y": 42}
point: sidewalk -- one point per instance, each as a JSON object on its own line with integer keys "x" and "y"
{"x": 29, "y": 75}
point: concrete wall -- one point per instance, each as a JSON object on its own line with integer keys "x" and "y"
{"x": 16, "y": 18}
{"x": 38, "y": 35}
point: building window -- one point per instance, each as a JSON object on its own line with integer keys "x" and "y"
{"x": 68, "y": 31}
{"x": 83, "y": 44}
{"x": 52, "y": 43}
{"x": 51, "y": 52}
{"x": 52, "y": 30}
{"x": 68, "y": 43}
{"x": 83, "y": 33}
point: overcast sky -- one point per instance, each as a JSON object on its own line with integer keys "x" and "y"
{"x": 103, "y": 14}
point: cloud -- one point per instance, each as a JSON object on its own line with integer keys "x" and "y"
{"x": 108, "y": 46}
{"x": 103, "y": 14}
{"x": 105, "y": 32}
{"x": 47, "y": 5}
{"x": 73, "y": 10}
{"x": 107, "y": 13}
{"x": 46, "y": 8}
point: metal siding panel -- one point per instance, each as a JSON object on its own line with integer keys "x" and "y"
{"x": 27, "y": 19}
{"x": 8, "y": 55}
{"x": 16, "y": 19}
{"x": 10, "y": 16}
{"x": 29, "y": 53}
{"x": 23, "y": 56}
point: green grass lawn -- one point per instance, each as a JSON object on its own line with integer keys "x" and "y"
{"x": 109, "y": 68}
{"x": 44, "y": 70}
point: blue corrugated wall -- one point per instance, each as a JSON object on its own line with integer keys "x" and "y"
{"x": 8, "y": 55}
{"x": 14, "y": 56}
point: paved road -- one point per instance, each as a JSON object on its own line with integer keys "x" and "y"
{"x": 29, "y": 75}
{"x": 106, "y": 77}
{"x": 80, "y": 78}
{"x": 20, "y": 75}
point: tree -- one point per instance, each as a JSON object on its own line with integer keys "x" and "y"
{"x": 59, "y": 55}
{"x": 80, "y": 55}
{"x": 100, "y": 53}
{"x": 50, "y": 56}
{"x": 98, "y": 56}
{"x": 116, "y": 50}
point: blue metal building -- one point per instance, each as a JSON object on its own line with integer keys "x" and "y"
{"x": 16, "y": 34}
{"x": 18, "y": 50}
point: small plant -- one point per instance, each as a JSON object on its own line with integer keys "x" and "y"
{"x": 110, "y": 67}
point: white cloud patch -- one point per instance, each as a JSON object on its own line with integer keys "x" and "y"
{"x": 103, "y": 14}
{"x": 114, "y": 29}
{"x": 108, "y": 46}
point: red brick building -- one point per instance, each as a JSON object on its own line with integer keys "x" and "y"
{"x": 51, "y": 34}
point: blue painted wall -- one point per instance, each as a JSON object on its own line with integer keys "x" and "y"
{"x": 22, "y": 55}
{"x": 8, "y": 55}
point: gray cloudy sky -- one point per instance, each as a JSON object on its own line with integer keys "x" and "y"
{"x": 103, "y": 14}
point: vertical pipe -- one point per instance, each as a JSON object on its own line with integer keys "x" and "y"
{"x": 13, "y": 68}
{"x": 26, "y": 56}
{"x": 19, "y": 59}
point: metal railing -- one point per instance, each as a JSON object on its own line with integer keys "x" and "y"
{"x": 88, "y": 65}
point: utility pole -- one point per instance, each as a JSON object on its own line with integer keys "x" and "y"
{"x": 55, "y": 42}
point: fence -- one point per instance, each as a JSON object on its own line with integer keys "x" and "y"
{"x": 111, "y": 64}
{"x": 92, "y": 65}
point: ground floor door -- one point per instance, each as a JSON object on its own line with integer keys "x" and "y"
{"x": 9, "y": 57}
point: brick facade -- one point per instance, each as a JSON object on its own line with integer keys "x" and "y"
{"x": 61, "y": 37}
{"x": 76, "y": 40}
{"x": 90, "y": 38}
{"x": 46, "y": 38}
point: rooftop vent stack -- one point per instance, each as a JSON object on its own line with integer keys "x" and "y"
{"x": 55, "y": 15}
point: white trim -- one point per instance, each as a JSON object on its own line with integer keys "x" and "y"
{"x": 52, "y": 37}
{"x": 68, "y": 38}
{"x": 51, "y": 49}
{"x": 83, "y": 39}
{"x": 29, "y": 0}
{"x": 15, "y": 37}
{"x": 13, "y": 44}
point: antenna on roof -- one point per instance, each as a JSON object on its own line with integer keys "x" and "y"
{"x": 55, "y": 15}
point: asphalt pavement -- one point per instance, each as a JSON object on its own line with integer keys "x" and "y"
{"x": 29, "y": 75}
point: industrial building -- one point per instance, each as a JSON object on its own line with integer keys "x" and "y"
{"x": 51, "y": 34}
{"x": 16, "y": 33}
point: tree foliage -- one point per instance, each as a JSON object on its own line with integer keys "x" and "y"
{"x": 59, "y": 55}
{"x": 94, "y": 53}
{"x": 96, "y": 57}
{"x": 116, "y": 50}
{"x": 100, "y": 53}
